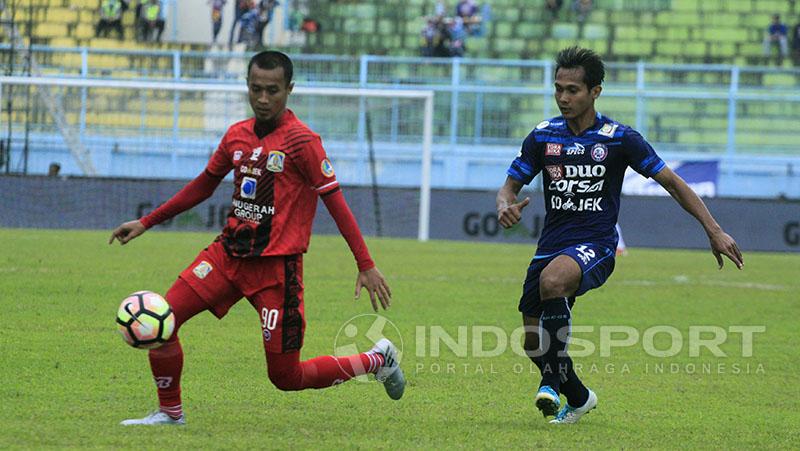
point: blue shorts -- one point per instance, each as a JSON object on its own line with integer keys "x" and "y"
{"x": 596, "y": 262}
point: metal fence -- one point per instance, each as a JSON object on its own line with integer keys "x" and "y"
{"x": 717, "y": 109}
{"x": 748, "y": 117}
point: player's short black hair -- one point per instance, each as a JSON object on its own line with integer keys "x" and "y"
{"x": 593, "y": 67}
{"x": 272, "y": 59}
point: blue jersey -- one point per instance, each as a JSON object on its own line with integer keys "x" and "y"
{"x": 582, "y": 178}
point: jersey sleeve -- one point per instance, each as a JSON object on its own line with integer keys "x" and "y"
{"x": 220, "y": 162}
{"x": 317, "y": 168}
{"x": 525, "y": 167}
{"x": 641, "y": 155}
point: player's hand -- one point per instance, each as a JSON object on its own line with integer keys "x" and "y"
{"x": 376, "y": 286}
{"x": 724, "y": 244}
{"x": 127, "y": 231}
{"x": 511, "y": 214}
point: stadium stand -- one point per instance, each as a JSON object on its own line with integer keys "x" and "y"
{"x": 666, "y": 31}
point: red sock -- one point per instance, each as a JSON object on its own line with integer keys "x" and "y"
{"x": 166, "y": 361}
{"x": 288, "y": 373}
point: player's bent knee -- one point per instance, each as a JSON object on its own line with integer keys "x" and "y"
{"x": 552, "y": 285}
{"x": 286, "y": 380}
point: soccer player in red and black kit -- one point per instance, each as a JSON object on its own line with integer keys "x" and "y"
{"x": 280, "y": 168}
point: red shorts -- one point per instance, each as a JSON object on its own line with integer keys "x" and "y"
{"x": 273, "y": 285}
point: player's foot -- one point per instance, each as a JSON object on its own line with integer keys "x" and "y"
{"x": 569, "y": 414}
{"x": 390, "y": 373}
{"x": 547, "y": 401}
{"x": 156, "y": 418}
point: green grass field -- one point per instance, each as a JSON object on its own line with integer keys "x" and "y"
{"x": 68, "y": 379}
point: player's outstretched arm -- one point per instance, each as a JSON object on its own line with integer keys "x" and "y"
{"x": 721, "y": 242}
{"x": 369, "y": 276}
{"x": 127, "y": 231}
{"x": 196, "y": 191}
{"x": 376, "y": 286}
{"x": 509, "y": 211}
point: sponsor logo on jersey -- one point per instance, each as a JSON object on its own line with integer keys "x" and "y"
{"x": 249, "y": 170}
{"x": 580, "y": 205}
{"x": 267, "y": 335}
{"x": 256, "y": 153}
{"x": 584, "y": 170}
{"x": 251, "y": 212}
{"x": 556, "y": 172}
{"x": 569, "y": 187}
{"x": 275, "y": 161}
{"x": 576, "y": 149}
{"x": 599, "y": 152}
{"x": 237, "y": 155}
{"x": 202, "y": 269}
{"x": 553, "y": 150}
{"x": 327, "y": 168}
{"x": 248, "y": 188}
{"x": 608, "y": 130}
{"x": 542, "y": 125}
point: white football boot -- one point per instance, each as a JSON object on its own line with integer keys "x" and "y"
{"x": 390, "y": 373}
{"x": 569, "y": 414}
{"x": 156, "y": 418}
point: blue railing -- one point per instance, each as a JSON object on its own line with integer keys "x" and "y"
{"x": 742, "y": 115}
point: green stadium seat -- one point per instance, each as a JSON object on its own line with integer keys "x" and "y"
{"x": 565, "y": 31}
{"x": 595, "y": 31}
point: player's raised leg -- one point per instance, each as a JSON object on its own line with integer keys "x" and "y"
{"x": 281, "y": 312}
{"x": 166, "y": 361}
{"x": 287, "y": 372}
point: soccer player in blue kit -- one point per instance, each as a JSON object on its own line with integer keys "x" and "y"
{"x": 582, "y": 156}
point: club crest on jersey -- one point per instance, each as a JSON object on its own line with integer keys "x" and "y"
{"x": 327, "y": 168}
{"x": 237, "y": 155}
{"x": 556, "y": 172}
{"x": 542, "y": 125}
{"x": 256, "y": 153}
{"x": 608, "y": 130}
{"x": 599, "y": 152}
{"x": 202, "y": 269}
{"x": 275, "y": 161}
{"x": 553, "y": 150}
{"x": 248, "y": 188}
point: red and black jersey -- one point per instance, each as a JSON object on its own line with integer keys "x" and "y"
{"x": 277, "y": 180}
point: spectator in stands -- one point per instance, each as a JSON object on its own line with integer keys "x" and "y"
{"x": 582, "y": 8}
{"x": 429, "y": 34}
{"x": 266, "y": 9}
{"x": 776, "y": 35}
{"x": 241, "y": 7}
{"x": 553, "y": 7}
{"x": 162, "y": 18}
{"x": 440, "y": 9}
{"x": 796, "y": 44}
{"x": 467, "y": 11}
{"x": 216, "y": 18}
{"x": 151, "y": 22}
{"x": 458, "y": 37}
{"x": 249, "y": 29}
{"x": 110, "y": 17}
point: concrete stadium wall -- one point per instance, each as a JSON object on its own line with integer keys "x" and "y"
{"x": 94, "y": 203}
